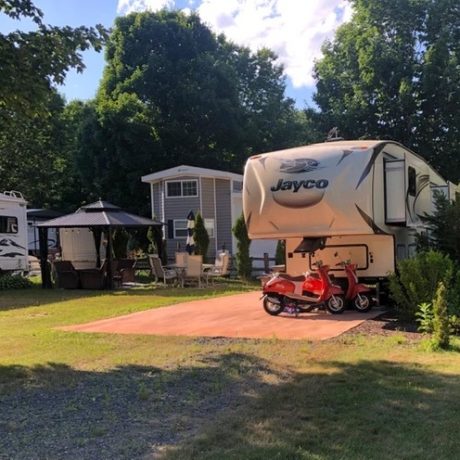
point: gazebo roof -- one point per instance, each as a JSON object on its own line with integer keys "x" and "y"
{"x": 100, "y": 214}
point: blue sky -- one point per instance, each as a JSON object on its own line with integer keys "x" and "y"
{"x": 294, "y": 29}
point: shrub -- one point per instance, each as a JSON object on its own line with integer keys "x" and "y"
{"x": 14, "y": 282}
{"x": 417, "y": 280}
{"x": 440, "y": 319}
{"x": 280, "y": 254}
{"x": 424, "y": 317}
{"x": 243, "y": 260}
{"x": 201, "y": 236}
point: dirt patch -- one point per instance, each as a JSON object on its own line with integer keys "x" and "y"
{"x": 388, "y": 324}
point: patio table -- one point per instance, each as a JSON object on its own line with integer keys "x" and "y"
{"x": 180, "y": 272}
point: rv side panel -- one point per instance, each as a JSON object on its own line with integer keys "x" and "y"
{"x": 374, "y": 254}
{"x": 13, "y": 233}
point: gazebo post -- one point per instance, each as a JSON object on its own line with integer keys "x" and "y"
{"x": 109, "y": 258}
{"x": 44, "y": 267}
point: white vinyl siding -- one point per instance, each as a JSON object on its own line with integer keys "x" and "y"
{"x": 209, "y": 226}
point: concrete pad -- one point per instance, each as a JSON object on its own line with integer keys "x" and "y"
{"x": 238, "y": 316}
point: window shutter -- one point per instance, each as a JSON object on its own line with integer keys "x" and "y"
{"x": 170, "y": 229}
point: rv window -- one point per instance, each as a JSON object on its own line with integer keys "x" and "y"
{"x": 412, "y": 189}
{"x": 8, "y": 224}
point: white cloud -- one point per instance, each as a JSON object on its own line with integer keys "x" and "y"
{"x": 293, "y": 29}
{"x": 130, "y": 6}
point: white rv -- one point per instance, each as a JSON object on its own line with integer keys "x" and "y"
{"x": 358, "y": 200}
{"x": 13, "y": 232}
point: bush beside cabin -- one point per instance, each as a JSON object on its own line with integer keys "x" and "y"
{"x": 13, "y": 232}
{"x": 358, "y": 200}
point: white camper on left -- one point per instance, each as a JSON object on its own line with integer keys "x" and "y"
{"x": 13, "y": 232}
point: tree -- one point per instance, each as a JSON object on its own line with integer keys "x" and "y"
{"x": 392, "y": 72}
{"x": 280, "y": 252}
{"x": 441, "y": 326}
{"x": 36, "y": 154}
{"x": 201, "y": 236}
{"x": 243, "y": 259}
{"x": 33, "y": 160}
{"x": 443, "y": 227}
{"x": 173, "y": 93}
{"x": 34, "y": 62}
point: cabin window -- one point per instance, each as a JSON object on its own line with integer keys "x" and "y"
{"x": 209, "y": 226}
{"x": 180, "y": 188}
{"x": 412, "y": 182}
{"x": 180, "y": 228}
{"x": 237, "y": 186}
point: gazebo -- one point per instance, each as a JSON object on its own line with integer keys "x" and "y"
{"x": 100, "y": 217}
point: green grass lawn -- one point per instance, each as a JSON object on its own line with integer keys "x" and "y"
{"x": 75, "y": 395}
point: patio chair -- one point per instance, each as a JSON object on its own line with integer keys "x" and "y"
{"x": 66, "y": 276}
{"x": 181, "y": 259}
{"x": 161, "y": 273}
{"x": 220, "y": 268}
{"x": 194, "y": 269}
{"x": 93, "y": 278}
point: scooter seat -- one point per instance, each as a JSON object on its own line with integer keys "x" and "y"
{"x": 291, "y": 278}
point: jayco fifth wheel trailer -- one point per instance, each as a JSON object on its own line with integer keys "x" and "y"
{"x": 358, "y": 200}
{"x": 13, "y": 232}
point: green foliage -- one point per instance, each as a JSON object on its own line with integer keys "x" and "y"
{"x": 152, "y": 247}
{"x": 201, "y": 236}
{"x": 440, "y": 319}
{"x": 392, "y": 72}
{"x": 33, "y": 62}
{"x": 120, "y": 243}
{"x": 417, "y": 280}
{"x": 243, "y": 260}
{"x": 424, "y": 317}
{"x": 280, "y": 253}
{"x": 443, "y": 227}
{"x": 8, "y": 281}
{"x": 33, "y": 128}
{"x": 174, "y": 93}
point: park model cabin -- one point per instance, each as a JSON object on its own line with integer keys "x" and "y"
{"x": 13, "y": 232}
{"x": 358, "y": 200}
{"x": 215, "y": 194}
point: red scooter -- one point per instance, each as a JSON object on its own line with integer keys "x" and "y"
{"x": 357, "y": 293}
{"x": 303, "y": 293}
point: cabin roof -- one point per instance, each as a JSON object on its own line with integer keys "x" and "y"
{"x": 185, "y": 170}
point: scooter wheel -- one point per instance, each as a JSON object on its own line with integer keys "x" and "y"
{"x": 336, "y": 304}
{"x": 273, "y": 308}
{"x": 362, "y": 302}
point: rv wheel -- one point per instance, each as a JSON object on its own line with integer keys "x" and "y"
{"x": 336, "y": 304}
{"x": 273, "y": 305}
{"x": 362, "y": 302}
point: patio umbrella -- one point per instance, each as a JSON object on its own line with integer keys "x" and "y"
{"x": 190, "y": 242}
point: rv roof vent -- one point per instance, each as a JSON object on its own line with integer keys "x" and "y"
{"x": 333, "y": 135}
